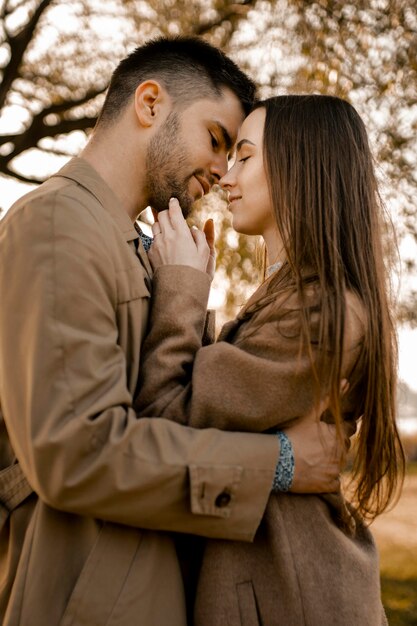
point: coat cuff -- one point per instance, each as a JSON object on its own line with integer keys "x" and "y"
{"x": 235, "y": 490}
{"x": 184, "y": 280}
{"x": 187, "y": 280}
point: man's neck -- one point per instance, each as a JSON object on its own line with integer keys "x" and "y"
{"x": 116, "y": 166}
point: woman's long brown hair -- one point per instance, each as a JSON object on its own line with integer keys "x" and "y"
{"x": 330, "y": 217}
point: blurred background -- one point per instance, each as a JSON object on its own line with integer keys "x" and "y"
{"x": 56, "y": 57}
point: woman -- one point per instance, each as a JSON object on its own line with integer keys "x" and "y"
{"x": 303, "y": 180}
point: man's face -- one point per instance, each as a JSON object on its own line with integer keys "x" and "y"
{"x": 189, "y": 152}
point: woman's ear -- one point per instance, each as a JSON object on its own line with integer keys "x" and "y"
{"x": 150, "y": 100}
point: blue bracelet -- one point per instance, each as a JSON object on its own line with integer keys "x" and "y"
{"x": 284, "y": 471}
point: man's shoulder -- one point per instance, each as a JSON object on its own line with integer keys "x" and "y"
{"x": 60, "y": 205}
{"x": 54, "y": 194}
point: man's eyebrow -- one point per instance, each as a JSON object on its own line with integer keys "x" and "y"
{"x": 242, "y": 143}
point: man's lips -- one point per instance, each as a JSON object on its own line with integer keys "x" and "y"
{"x": 204, "y": 184}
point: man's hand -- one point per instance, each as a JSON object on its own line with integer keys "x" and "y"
{"x": 174, "y": 244}
{"x": 318, "y": 456}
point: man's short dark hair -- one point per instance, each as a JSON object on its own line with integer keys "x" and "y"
{"x": 189, "y": 68}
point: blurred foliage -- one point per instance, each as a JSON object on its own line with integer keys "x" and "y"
{"x": 409, "y": 442}
{"x": 239, "y": 258}
{"x": 366, "y": 51}
{"x": 56, "y": 58}
{"x": 394, "y": 533}
{"x": 399, "y": 597}
{"x": 398, "y": 567}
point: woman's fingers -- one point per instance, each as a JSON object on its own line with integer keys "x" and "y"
{"x": 164, "y": 222}
{"x": 174, "y": 244}
{"x": 208, "y": 230}
{"x": 156, "y": 229}
{"x": 172, "y": 220}
{"x": 176, "y": 216}
{"x": 210, "y": 238}
{"x": 200, "y": 241}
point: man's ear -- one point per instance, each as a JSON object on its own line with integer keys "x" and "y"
{"x": 150, "y": 100}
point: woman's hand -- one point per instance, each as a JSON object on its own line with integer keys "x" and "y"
{"x": 208, "y": 230}
{"x": 318, "y": 455}
{"x": 176, "y": 244}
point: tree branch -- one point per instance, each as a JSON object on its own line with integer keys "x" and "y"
{"x": 6, "y": 138}
{"x": 56, "y": 152}
{"x": 6, "y": 12}
{"x": 65, "y": 106}
{"x": 40, "y": 130}
{"x": 18, "y": 45}
{"x": 63, "y": 127}
{"x": 234, "y": 10}
{"x": 24, "y": 179}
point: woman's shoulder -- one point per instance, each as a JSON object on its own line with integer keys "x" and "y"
{"x": 287, "y": 307}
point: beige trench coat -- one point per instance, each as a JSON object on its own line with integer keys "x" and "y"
{"x": 312, "y": 563}
{"x": 74, "y": 307}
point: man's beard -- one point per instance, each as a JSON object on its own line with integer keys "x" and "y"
{"x": 166, "y": 159}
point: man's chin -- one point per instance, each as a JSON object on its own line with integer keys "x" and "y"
{"x": 186, "y": 204}
{"x": 185, "y": 200}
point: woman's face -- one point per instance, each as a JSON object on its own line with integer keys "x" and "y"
{"x": 246, "y": 182}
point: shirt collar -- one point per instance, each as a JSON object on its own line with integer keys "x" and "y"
{"x": 81, "y": 172}
{"x": 145, "y": 239}
{"x": 144, "y": 243}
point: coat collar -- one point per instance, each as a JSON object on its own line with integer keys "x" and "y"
{"x": 81, "y": 172}
{"x": 142, "y": 254}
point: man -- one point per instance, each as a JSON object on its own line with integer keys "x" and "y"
{"x": 75, "y": 287}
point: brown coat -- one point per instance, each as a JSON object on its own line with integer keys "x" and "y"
{"x": 74, "y": 309}
{"x": 304, "y": 567}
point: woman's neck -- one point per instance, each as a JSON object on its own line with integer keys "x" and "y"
{"x": 275, "y": 252}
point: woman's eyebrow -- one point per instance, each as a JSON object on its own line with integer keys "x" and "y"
{"x": 242, "y": 143}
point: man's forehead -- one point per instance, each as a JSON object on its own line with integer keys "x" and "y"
{"x": 223, "y": 112}
{"x": 226, "y": 106}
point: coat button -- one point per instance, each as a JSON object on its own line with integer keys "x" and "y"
{"x": 223, "y": 499}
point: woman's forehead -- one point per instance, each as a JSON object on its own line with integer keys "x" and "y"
{"x": 253, "y": 126}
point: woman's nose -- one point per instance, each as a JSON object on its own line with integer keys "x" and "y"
{"x": 228, "y": 180}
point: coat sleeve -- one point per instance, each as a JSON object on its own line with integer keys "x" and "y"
{"x": 66, "y": 403}
{"x": 261, "y": 381}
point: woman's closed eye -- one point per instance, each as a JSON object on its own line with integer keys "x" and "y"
{"x": 244, "y": 159}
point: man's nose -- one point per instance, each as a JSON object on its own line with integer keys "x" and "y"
{"x": 219, "y": 167}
